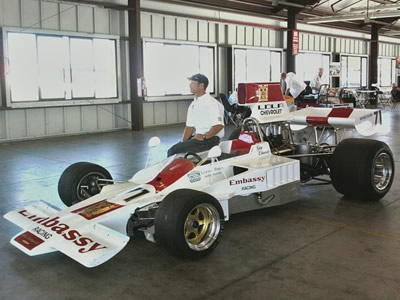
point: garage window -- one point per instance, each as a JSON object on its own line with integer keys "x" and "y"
{"x": 256, "y": 65}
{"x": 386, "y": 71}
{"x": 167, "y": 66}
{"x": 45, "y": 67}
{"x": 354, "y": 71}
{"x": 308, "y": 64}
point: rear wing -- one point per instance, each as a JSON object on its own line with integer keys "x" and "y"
{"x": 268, "y": 105}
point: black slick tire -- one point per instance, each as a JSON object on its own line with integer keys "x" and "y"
{"x": 175, "y": 217}
{"x": 354, "y": 168}
{"x": 73, "y": 177}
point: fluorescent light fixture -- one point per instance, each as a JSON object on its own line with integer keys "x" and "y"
{"x": 375, "y": 8}
{"x": 352, "y": 17}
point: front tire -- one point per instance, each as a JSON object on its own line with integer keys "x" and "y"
{"x": 80, "y": 181}
{"x": 189, "y": 223}
{"x": 362, "y": 168}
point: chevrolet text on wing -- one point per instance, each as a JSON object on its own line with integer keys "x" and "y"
{"x": 64, "y": 230}
{"x": 246, "y": 180}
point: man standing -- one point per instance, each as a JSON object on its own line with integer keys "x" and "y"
{"x": 317, "y": 81}
{"x": 204, "y": 122}
{"x": 293, "y": 85}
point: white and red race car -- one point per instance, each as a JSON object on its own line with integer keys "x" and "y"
{"x": 184, "y": 200}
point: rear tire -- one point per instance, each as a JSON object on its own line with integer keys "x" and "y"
{"x": 80, "y": 181}
{"x": 189, "y": 223}
{"x": 362, "y": 168}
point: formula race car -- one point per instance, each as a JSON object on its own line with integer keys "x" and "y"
{"x": 183, "y": 201}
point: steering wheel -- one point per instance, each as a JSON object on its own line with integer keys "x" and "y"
{"x": 195, "y": 155}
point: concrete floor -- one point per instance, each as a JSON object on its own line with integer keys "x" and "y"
{"x": 322, "y": 246}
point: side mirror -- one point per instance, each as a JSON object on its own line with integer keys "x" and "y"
{"x": 214, "y": 152}
{"x": 154, "y": 142}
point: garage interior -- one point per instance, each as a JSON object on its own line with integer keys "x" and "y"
{"x": 322, "y": 246}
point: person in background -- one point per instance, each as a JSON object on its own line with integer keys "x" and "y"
{"x": 204, "y": 122}
{"x": 395, "y": 92}
{"x": 294, "y": 86}
{"x": 317, "y": 81}
{"x": 233, "y": 98}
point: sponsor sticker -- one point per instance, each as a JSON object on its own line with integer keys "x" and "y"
{"x": 28, "y": 240}
{"x": 97, "y": 209}
{"x": 194, "y": 176}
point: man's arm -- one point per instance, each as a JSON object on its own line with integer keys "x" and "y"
{"x": 287, "y": 92}
{"x": 187, "y": 133}
{"x": 212, "y": 132}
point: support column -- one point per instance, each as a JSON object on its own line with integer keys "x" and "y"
{"x": 135, "y": 63}
{"x": 291, "y": 24}
{"x": 373, "y": 58}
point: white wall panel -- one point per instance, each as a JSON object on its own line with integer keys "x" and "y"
{"x": 68, "y": 18}
{"x": 306, "y": 42}
{"x": 72, "y": 117}
{"x": 317, "y": 43}
{"x": 122, "y": 114}
{"x": 257, "y": 37}
{"x": 172, "y": 112}
{"x": 105, "y": 115}
{"x": 3, "y": 125}
{"x": 148, "y": 114}
{"x": 273, "y": 41}
{"x": 348, "y": 46}
{"x": 249, "y": 36}
{"x": 212, "y": 32}
{"x": 145, "y": 25}
{"x": 311, "y": 43}
{"x": 35, "y": 121}
{"x": 182, "y": 110}
{"x": 240, "y": 33}
{"x": 342, "y": 45}
{"x": 264, "y": 37}
{"x": 181, "y": 29}
{"x": 157, "y": 26}
{"x": 101, "y": 20}
{"x": 222, "y": 37}
{"x": 356, "y": 47}
{"x": 31, "y": 13}
{"x": 170, "y": 28}
{"x": 89, "y": 118}
{"x": 55, "y": 120}
{"x": 193, "y": 30}
{"x": 16, "y": 124}
{"x": 12, "y": 13}
{"x": 50, "y": 15}
{"x": 203, "y": 32}
{"x": 301, "y": 38}
{"x": 323, "y": 43}
{"x": 160, "y": 116}
{"x": 85, "y": 19}
{"x": 231, "y": 34}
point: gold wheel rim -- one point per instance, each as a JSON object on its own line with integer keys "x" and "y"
{"x": 202, "y": 227}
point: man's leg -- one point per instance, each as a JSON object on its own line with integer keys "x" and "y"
{"x": 193, "y": 146}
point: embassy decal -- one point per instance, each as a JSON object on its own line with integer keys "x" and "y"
{"x": 246, "y": 180}
{"x": 194, "y": 176}
{"x": 53, "y": 226}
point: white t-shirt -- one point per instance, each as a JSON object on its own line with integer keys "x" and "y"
{"x": 294, "y": 85}
{"x": 316, "y": 83}
{"x": 205, "y": 112}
